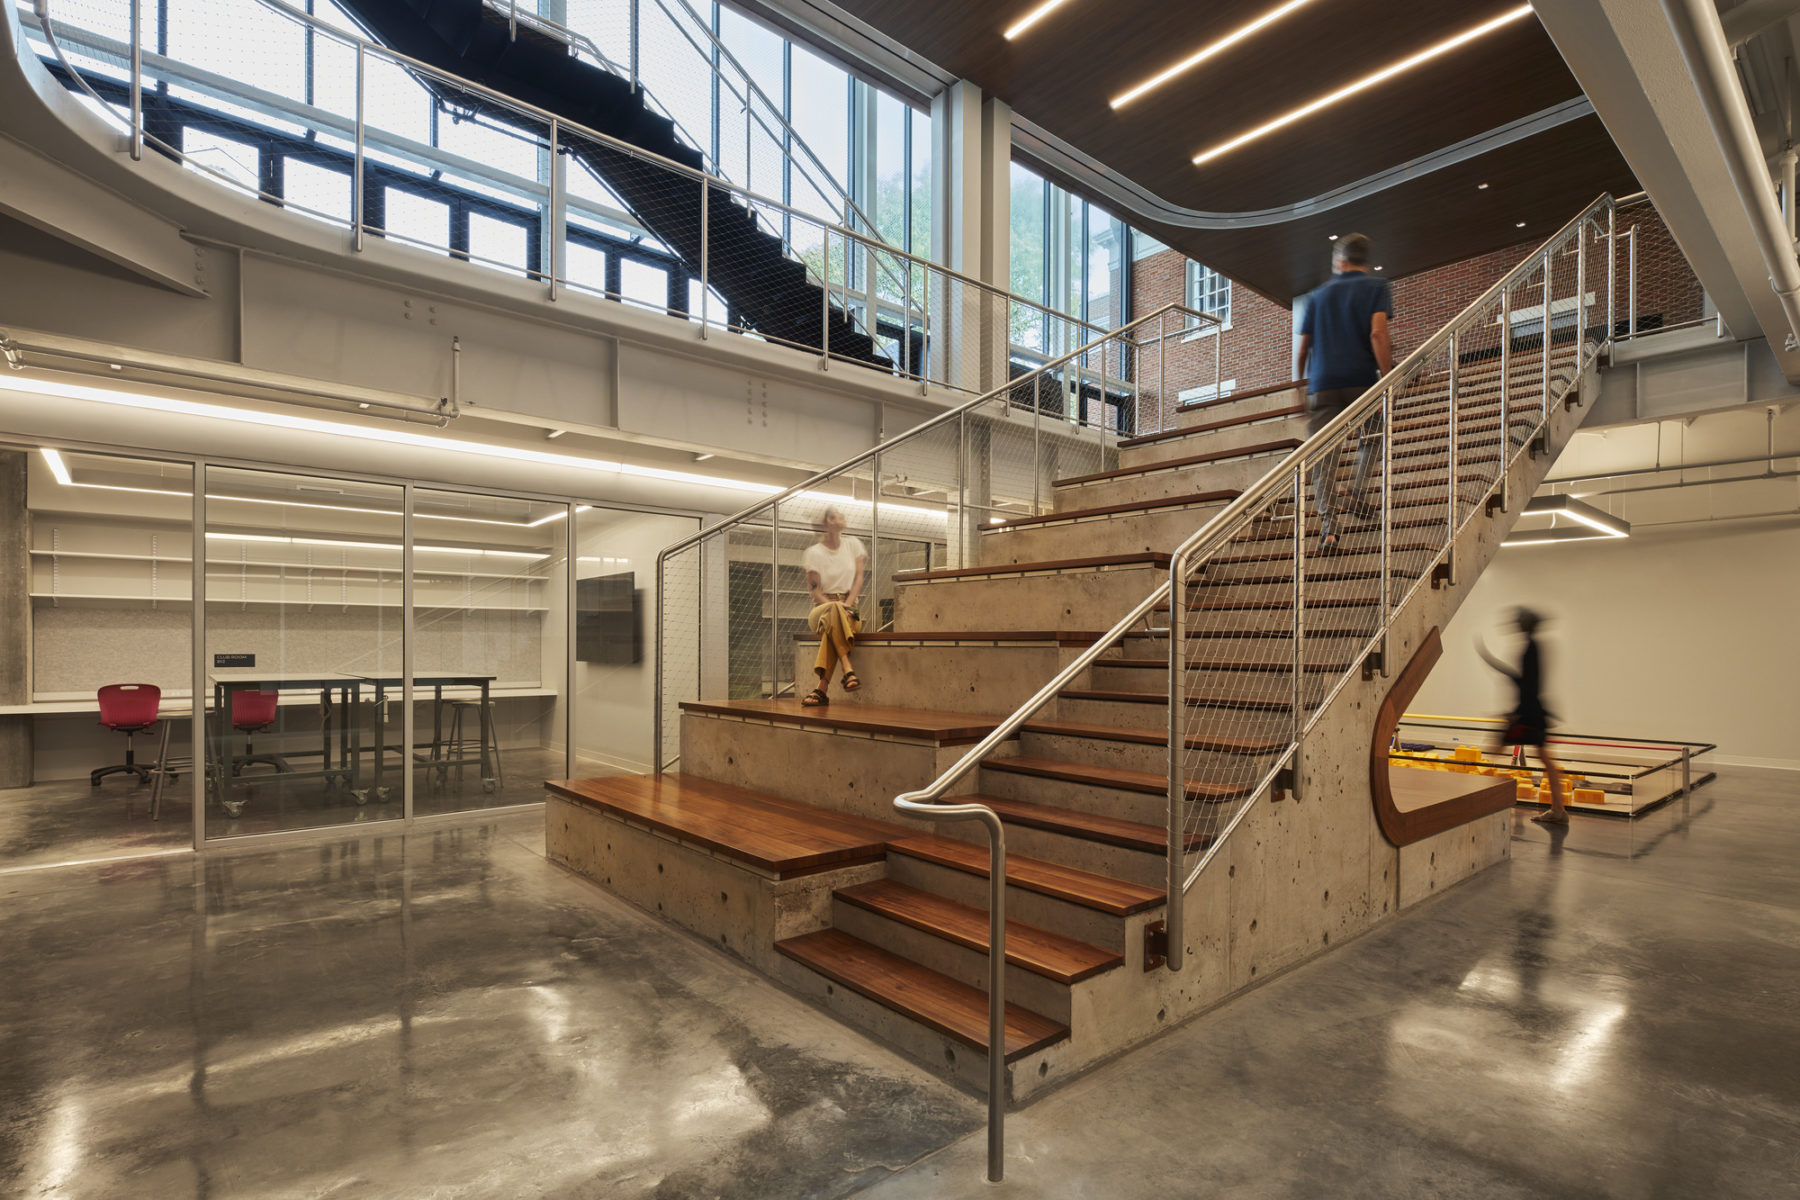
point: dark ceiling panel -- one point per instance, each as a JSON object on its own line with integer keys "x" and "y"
{"x": 1061, "y": 74}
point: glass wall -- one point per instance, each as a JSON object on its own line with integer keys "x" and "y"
{"x": 1068, "y": 255}
{"x": 304, "y": 651}
{"x": 490, "y": 649}
{"x": 106, "y": 571}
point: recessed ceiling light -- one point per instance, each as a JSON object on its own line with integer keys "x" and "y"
{"x": 1193, "y": 60}
{"x": 702, "y": 457}
{"x": 1518, "y": 225}
{"x": 1331, "y": 237}
{"x": 1378, "y": 268}
{"x": 1366, "y": 82}
{"x": 1033, "y": 17}
{"x": 1481, "y": 187}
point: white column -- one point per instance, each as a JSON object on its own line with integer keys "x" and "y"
{"x": 970, "y": 233}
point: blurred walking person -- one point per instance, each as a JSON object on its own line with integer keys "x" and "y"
{"x": 1344, "y": 349}
{"x": 1529, "y": 724}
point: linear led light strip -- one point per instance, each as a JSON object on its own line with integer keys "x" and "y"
{"x": 1225, "y": 43}
{"x": 401, "y": 437}
{"x": 418, "y": 547}
{"x": 1366, "y": 82}
{"x": 60, "y": 470}
{"x": 1033, "y": 17}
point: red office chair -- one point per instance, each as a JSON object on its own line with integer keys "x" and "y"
{"x": 253, "y": 712}
{"x": 129, "y": 708}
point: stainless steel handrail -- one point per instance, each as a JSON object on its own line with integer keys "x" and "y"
{"x": 936, "y": 273}
{"x": 744, "y": 516}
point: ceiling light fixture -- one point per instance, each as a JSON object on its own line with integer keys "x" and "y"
{"x": 1366, "y": 82}
{"x": 1331, "y": 237}
{"x": 58, "y": 467}
{"x": 1378, "y": 268}
{"x": 1481, "y": 187}
{"x": 1193, "y": 60}
{"x": 1033, "y": 17}
{"x": 702, "y": 457}
{"x": 550, "y": 435}
{"x": 1599, "y": 523}
{"x": 1518, "y": 225}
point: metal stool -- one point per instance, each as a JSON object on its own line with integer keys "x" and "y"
{"x": 460, "y": 748}
{"x": 166, "y": 770}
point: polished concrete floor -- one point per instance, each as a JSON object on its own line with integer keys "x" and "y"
{"x": 71, "y": 821}
{"x": 1613, "y": 1013}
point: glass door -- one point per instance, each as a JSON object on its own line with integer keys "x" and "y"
{"x": 490, "y": 649}
{"x": 304, "y": 651}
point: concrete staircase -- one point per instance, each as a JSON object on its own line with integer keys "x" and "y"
{"x": 898, "y": 944}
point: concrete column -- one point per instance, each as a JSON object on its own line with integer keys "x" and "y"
{"x": 971, "y": 217}
{"x": 15, "y": 619}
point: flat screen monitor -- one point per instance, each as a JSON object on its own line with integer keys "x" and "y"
{"x": 608, "y": 620}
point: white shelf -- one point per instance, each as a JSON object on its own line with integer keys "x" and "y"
{"x": 265, "y": 564}
{"x": 96, "y": 598}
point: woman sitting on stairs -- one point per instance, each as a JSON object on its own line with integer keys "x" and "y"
{"x": 835, "y": 568}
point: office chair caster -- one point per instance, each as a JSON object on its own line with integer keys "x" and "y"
{"x": 234, "y": 808}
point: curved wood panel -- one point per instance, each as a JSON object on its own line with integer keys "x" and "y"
{"x": 1434, "y": 802}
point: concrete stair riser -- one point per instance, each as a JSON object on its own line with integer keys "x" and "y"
{"x": 847, "y": 772}
{"x": 944, "y": 1056}
{"x": 1134, "y": 865}
{"x": 1157, "y": 531}
{"x": 1137, "y": 756}
{"x": 1101, "y": 929}
{"x": 939, "y": 677}
{"x": 1046, "y": 997}
{"x": 1207, "y": 440}
{"x": 1230, "y": 474}
{"x": 1087, "y": 598}
{"x": 1240, "y": 406}
{"x": 1132, "y": 715}
{"x": 1077, "y": 797}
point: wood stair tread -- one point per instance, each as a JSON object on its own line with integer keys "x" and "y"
{"x": 1151, "y": 737}
{"x": 1067, "y": 637}
{"x": 1143, "y": 559}
{"x": 1192, "y": 460}
{"x": 1209, "y": 700}
{"x": 1117, "y": 778}
{"x": 1271, "y": 389}
{"x": 1058, "y": 958}
{"x": 772, "y": 833}
{"x": 1102, "y": 893}
{"x": 933, "y": 999}
{"x": 1187, "y": 431}
{"x": 1093, "y": 827}
{"x": 1196, "y": 663}
{"x": 943, "y": 728}
{"x": 1222, "y": 496}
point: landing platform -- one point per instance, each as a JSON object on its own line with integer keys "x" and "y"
{"x": 1474, "y": 795}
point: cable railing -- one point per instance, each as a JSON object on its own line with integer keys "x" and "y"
{"x": 374, "y": 154}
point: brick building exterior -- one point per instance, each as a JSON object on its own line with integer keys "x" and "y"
{"x": 1257, "y": 346}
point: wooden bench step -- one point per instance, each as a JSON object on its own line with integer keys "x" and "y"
{"x": 1186, "y": 431}
{"x": 1204, "y": 700}
{"x": 1192, "y": 460}
{"x": 1102, "y": 893}
{"x": 925, "y": 725}
{"x": 1111, "y": 831}
{"x": 1224, "y": 496}
{"x": 767, "y": 832}
{"x": 1116, "y": 778}
{"x": 1057, "y": 958}
{"x": 934, "y": 1000}
{"x": 1188, "y": 406}
{"x": 1064, "y": 637}
{"x": 1152, "y": 737}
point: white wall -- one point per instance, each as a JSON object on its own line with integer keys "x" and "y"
{"x": 1688, "y": 633}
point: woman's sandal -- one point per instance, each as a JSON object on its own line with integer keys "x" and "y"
{"x": 815, "y": 699}
{"x": 851, "y": 682}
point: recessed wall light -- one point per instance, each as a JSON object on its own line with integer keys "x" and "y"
{"x": 1331, "y": 237}
{"x": 1366, "y": 82}
{"x": 1032, "y": 18}
{"x": 1193, "y": 60}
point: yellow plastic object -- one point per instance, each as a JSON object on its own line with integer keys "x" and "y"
{"x": 1526, "y": 791}
{"x": 1468, "y": 754}
{"x": 1589, "y": 796}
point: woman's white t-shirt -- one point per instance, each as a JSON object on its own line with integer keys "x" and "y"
{"x": 836, "y": 569}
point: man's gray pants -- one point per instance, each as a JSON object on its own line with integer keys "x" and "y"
{"x": 1322, "y": 407}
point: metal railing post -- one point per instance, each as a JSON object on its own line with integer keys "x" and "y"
{"x": 1548, "y": 260}
{"x": 1580, "y": 293}
{"x": 512, "y": 21}
{"x": 634, "y": 45}
{"x": 1612, "y": 271}
{"x": 1450, "y": 529}
{"x": 825, "y": 297}
{"x": 656, "y": 712}
{"x": 1037, "y": 451}
{"x": 874, "y": 568}
{"x": 996, "y": 1140}
{"x": 925, "y": 342}
{"x": 775, "y": 602}
{"x": 1299, "y": 622}
{"x": 1387, "y": 512}
{"x": 358, "y": 201}
{"x": 137, "y": 79}
{"x": 1177, "y": 815}
{"x": 554, "y": 235}
{"x": 1631, "y": 281}
{"x": 705, "y": 256}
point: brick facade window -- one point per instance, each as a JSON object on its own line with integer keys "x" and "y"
{"x": 1208, "y": 292}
